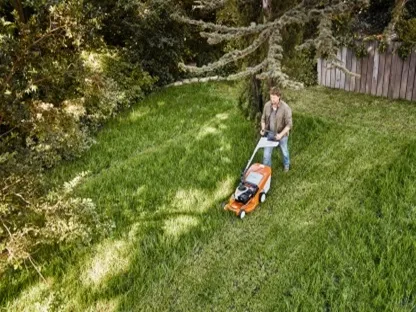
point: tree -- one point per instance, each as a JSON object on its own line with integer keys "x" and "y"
{"x": 269, "y": 33}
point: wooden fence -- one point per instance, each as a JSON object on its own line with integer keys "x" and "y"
{"x": 381, "y": 73}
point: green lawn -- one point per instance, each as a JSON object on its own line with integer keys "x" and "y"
{"x": 337, "y": 233}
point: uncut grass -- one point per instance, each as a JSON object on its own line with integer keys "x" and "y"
{"x": 173, "y": 175}
{"x": 336, "y": 233}
{"x": 310, "y": 250}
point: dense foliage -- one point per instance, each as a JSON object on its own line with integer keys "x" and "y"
{"x": 66, "y": 67}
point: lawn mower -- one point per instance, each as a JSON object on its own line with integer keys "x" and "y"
{"x": 254, "y": 182}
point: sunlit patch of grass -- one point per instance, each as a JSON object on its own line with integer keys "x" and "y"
{"x": 110, "y": 258}
{"x": 104, "y": 305}
{"x": 177, "y": 226}
{"x": 138, "y": 114}
{"x": 199, "y": 201}
{"x": 37, "y": 297}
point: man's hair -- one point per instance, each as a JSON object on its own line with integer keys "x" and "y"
{"x": 275, "y": 91}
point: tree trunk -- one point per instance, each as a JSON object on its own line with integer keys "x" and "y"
{"x": 256, "y": 93}
{"x": 267, "y": 8}
{"x": 17, "y": 4}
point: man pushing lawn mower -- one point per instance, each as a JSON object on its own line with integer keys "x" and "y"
{"x": 277, "y": 119}
{"x": 255, "y": 179}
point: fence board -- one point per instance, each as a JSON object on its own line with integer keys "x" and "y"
{"x": 405, "y": 76}
{"x": 328, "y": 75}
{"x": 320, "y": 71}
{"x": 375, "y": 70}
{"x": 348, "y": 64}
{"x": 358, "y": 71}
{"x": 369, "y": 79}
{"x": 397, "y": 74}
{"x": 363, "y": 80}
{"x": 332, "y": 76}
{"x": 344, "y": 61}
{"x": 380, "y": 76}
{"x": 412, "y": 77}
{"x": 387, "y": 70}
{"x": 354, "y": 70}
{"x": 414, "y": 90}
{"x": 338, "y": 72}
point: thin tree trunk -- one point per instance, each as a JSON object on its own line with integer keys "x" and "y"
{"x": 17, "y": 4}
{"x": 256, "y": 84}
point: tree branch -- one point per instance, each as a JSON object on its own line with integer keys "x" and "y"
{"x": 216, "y": 27}
{"x": 249, "y": 71}
{"x": 229, "y": 57}
{"x": 389, "y": 32}
{"x": 208, "y": 5}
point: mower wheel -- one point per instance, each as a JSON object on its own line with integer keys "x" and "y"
{"x": 223, "y": 205}
{"x": 262, "y": 197}
{"x": 242, "y": 214}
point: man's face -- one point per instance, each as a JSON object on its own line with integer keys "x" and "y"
{"x": 275, "y": 100}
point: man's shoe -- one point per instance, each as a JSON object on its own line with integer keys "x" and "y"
{"x": 286, "y": 169}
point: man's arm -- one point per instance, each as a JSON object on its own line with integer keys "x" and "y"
{"x": 263, "y": 121}
{"x": 288, "y": 122}
{"x": 263, "y": 127}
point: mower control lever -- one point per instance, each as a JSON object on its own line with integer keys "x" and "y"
{"x": 270, "y": 135}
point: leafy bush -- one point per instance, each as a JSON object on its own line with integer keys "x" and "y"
{"x": 147, "y": 33}
{"x": 29, "y": 223}
{"x": 58, "y": 83}
{"x": 112, "y": 84}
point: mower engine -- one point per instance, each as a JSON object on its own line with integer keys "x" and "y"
{"x": 245, "y": 192}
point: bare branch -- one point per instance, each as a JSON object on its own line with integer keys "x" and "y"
{"x": 36, "y": 268}
{"x": 229, "y": 57}
{"x": 208, "y": 5}
{"x": 22, "y": 198}
{"x": 219, "y": 28}
{"x": 7, "y": 229}
{"x": 341, "y": 66}
{"x": 249, "y": 71}
{"x": 389, "y": 32}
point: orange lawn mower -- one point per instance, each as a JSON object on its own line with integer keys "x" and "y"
{"x": 254, "y": 183}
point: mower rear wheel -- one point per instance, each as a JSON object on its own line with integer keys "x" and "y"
{"x": 262, "y": 197}
{"x": 242, "y": 214}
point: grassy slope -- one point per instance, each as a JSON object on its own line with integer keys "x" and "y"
{"x": 336, "y": 233}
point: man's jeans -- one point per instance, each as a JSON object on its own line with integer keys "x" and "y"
{"x": 267, "y": 156}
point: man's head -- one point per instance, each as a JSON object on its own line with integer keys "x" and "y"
{"x": 275, "y": 97}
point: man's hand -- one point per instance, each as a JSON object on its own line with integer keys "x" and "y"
{"x": 262, "y": 132}
{"x": 278, "y": 137}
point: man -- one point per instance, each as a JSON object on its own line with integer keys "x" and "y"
{"x": 277, "y": 118}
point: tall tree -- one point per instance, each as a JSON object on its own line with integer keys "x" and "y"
{"x": 269, "y": 34}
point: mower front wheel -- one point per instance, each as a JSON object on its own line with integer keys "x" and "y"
{"x": 262, "y": 197}
{"x": 242, "y": 214}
